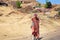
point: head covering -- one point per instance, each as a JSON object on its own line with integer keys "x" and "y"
{"x": 35, "y": 15}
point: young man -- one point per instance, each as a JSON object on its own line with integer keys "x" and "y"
{"x": 35, "y": 27}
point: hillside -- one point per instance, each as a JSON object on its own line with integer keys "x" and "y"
{"x": 16, "y": 25}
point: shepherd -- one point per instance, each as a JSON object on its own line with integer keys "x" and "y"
{"x": 35, "y": 27}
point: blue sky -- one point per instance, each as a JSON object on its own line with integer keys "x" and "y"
{"x": 52, "y": 1}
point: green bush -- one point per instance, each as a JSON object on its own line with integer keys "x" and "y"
{"x": 48, "y": 5}
{"x": 59, "y": 13}
{"x": 18, "y": 3}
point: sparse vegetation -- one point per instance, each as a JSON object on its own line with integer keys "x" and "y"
{"x": 18, "y": 3}
{"x": 39, "y": 4}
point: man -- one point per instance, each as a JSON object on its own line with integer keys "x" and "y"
{"x": 35, "y": 27}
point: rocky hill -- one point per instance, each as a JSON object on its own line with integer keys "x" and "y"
{"x": 15, "y": 24}
{"x": 19, "y": 0}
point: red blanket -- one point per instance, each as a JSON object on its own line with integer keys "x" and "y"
{"x": 35, "y": 27}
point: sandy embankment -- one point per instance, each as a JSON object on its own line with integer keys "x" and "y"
{"x": 17, "y": 26}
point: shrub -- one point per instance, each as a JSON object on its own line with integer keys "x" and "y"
{"x": 18, "y": 3}
{"x": 59, "y": 13}
{"x": 57, "y": 9}
{"x": 48, "y": 5}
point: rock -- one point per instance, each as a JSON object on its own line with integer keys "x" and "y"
{"x": 3, "y": 4}
{"x": 1, "y": 14}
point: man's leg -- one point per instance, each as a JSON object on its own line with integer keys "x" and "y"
{"x": 34, "y": 38}
{"x": 38, "y": 38}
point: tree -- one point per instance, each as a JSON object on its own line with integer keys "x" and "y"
{"x": 48, "y": 4}
{"x": 18, "y": 3}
